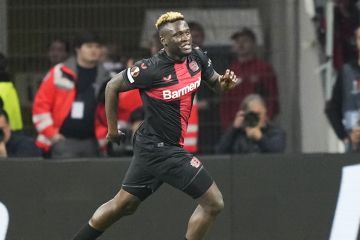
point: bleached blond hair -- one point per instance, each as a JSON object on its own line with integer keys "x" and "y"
{"x": 168, "y": 17}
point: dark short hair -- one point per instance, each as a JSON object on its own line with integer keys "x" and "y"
{"x": 247, "y": 32}
{"x": 197, "y": 27}
{"x": 2, "y": 111}
{"x": 61, "y": 40}
{"x": 3, "y": 62}
{"x": 86, "y": 37}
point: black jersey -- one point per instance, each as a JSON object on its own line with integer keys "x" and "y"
{"x": 167, "y": 89}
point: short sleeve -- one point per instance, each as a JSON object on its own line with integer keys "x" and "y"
{"x": 140, "y": 75}
{"x": 206, "y": 65}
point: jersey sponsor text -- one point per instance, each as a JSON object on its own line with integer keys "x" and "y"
{"x": 168, "y": 94}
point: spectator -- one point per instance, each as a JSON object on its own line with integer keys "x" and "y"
{"x": 111, "y": 58}
{"x": 208, "y": 101}
{"x": 65, "y": 105}
{"x": 257, "y": 77}
{"x": 219, "y": 55}
{"x": 155, "y": 44}
{"x": 9, "y": 96}
{"x": 251, "y": 132}
{"x": 14, "y": 144}
{"x": 58, "y": 51}
{"x": 343, "y": 109}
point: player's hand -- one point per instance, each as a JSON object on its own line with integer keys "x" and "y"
{"x": 115, "y": 137}
{"x": 228, "y": 80}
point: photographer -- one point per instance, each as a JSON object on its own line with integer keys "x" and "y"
{"x": 14, "y": 144}
{"x": 251, "y": 132}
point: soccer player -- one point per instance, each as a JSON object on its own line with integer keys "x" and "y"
{"x": 167, "y": 82}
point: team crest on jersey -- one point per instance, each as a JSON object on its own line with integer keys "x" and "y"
{"x": 195, "y": 162}
{"x": 134, "y": 71}
{"x": 193, "y": 66}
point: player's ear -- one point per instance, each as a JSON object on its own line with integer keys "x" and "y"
{"x": 163, "y": 41}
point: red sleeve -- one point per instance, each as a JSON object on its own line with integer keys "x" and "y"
{"x": 41, "y": 111}
{"x": 101, "y": 127}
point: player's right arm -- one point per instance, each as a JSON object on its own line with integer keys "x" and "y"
{"x": 113, "y": 87}
{"x": 139, "y": 76}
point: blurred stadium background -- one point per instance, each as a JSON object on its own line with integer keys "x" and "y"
{"x": 289, "y": 37}
{"x": 286, "y": 35}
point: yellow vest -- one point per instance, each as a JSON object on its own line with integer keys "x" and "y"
{"x": 11, "y": 104}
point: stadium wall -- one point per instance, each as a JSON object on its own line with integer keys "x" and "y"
{"x": 266, "y": 197}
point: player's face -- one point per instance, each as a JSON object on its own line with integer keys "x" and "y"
{"x": 176, "y": 38}
{"x": 89, "y": 52}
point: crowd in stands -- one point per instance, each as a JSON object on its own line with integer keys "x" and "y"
{"x": 68, "y": 110}
{"x": 343, "y": 108}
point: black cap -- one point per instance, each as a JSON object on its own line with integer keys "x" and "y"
{"x": 86, "y": 37}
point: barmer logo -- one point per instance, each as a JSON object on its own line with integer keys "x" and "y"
{"x": 168, "y": 94}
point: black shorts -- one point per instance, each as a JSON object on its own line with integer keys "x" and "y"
{"x": 154, "y": 163}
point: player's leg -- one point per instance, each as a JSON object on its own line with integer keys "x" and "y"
{"x": 137, "y": 185}
{"x": 209, "y": 206}
{"x": 122, "y": 204}
{"x": 185, "y": 172}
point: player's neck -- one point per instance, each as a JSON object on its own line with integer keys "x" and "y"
{"x": 174, "y": 57}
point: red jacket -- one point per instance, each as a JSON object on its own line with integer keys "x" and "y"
{"x": 54, "y": 100}
{"x": 257, "y": 77}
{"x": 128, "y": 102}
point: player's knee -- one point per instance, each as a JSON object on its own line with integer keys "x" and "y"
{"x": 216, "y": 205}
{"x": 127, "y": 208}
{"x": 130, "y": 208}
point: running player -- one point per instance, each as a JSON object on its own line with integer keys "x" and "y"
{"x": 167, "y": 82}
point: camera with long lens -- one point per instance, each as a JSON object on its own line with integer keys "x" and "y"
{"x": 2, "y": 135}
{"x": 251, "y": 119}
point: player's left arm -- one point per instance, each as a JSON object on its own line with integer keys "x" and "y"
{"x": 223, "y": 83}
{"x": 219, "y": 83}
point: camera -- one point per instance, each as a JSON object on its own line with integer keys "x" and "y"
{"x": 2, "y": 135}
{"x": 251, "y": 119}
